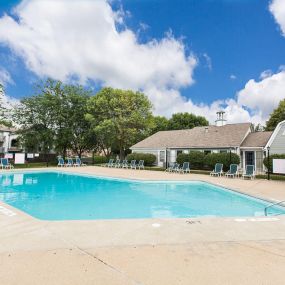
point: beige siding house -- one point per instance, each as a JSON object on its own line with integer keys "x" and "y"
{"x": 236, "y": 138}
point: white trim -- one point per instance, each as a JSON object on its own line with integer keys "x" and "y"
{"x": 273, "y": 136}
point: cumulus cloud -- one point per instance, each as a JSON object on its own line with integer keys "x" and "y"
{"x": 64, "y": 39}
{"x": 277, "y": 8}
{"x": 233, "y": 77}
{"x": 261, "y": 97}
{"x": 87, "y": 40}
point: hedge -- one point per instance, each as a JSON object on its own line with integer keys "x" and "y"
{"x": 149, "y": 158}
{"x": 100, "y": 159}
{"x": 196, "y": 159}
{"x": 271, "y": 157}
{"x": 225, "y": 158}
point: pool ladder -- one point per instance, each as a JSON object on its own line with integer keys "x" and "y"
{"x": 272, "y": 205}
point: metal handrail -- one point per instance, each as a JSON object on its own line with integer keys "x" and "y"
{"x": 271, "y": 205}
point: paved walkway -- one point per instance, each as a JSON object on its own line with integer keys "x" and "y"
{"x": 146, "y": 251}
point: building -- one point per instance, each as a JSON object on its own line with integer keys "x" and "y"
{"x": 8, "y": 140}
{"x": 240, "y": 138}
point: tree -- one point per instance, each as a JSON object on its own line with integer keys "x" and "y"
{"x": 5, "y": 113}
{"x": 181, "y": 121}
{"x": 160, "y": 123}
{"x": 276, "y": 117}
{"x": 76, "y": 128}
{"x": 54, "y": 118}
{"x": 35, "y": 115}
{"x": 119, "y": 117}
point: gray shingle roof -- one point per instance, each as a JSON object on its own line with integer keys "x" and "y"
{"x": 230, "y": 135}
{"x": 257, "y": 139}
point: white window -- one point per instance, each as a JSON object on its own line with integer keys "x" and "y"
{"x": 162, "y": 156}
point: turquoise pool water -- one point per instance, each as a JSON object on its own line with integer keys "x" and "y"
{"x": 59, "y": 196}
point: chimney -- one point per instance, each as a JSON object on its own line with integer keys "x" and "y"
{"x": 221, "y": 121}
{"x": 206, "y": 129}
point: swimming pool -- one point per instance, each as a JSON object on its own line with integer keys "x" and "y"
{"x": 60, "y": 196}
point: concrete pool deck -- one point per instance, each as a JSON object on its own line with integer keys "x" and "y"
{"x": 146, "y": 251}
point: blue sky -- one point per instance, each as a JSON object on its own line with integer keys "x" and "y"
{"x": 232, "y": 41}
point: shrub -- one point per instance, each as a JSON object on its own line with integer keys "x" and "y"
{"x": 225, "y": 158}
{"x": 271, "y": 157}
{"x": 195, "y": 158}
{"x": 100, "y": 159}
{"x": 149, "y": 158}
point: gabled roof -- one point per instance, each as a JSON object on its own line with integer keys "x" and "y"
{"x": 257, "y": 139}
{"x": 231, "y": 135}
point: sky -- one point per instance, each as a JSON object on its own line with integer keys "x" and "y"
{"x": 197, "y": 56}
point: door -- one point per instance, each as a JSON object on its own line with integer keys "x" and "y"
{"x": 249, "y": 158}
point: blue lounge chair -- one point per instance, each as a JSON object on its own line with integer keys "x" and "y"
{"x": 133, "y": 164}
{"x": 140, "y": 165}
{"x": 249, "y": 172}
{"x": 110, "y": 163}
{"x": 176, "y": 167}
{"x": 170, "y": 167}
{"x": 233, "y": 171}
{"x": 5, "y": 164}
{"x": 60, "y": 162}
{"x": 125, "y": 164}
{"x": 117, "y": 163}
{"x": 185, "y": 168}
{"x": 69, "y": 162}
{"x": 218, "y": 171}
{"x": 78, "y": 162}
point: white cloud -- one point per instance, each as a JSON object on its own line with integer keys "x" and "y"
{"x": 62, "y": 38}
{"x": 86, "y": 39}
{"x": 277, "y": 8}
{"x": 208, "y": 61}
{"x": 5, "y": 77}
{"x": 266, "y": 73}
{"x": 261, "y": 97}
{"x": 233, "y": 77}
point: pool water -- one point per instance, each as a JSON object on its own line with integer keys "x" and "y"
{"x": 59, "y": 196}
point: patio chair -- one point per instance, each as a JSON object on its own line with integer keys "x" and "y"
{"x": 176, "y": 167}
{"x": 125, "y": 164}
{"x": 78, "y": 162}
{"x": 233, "y": 172}
{"x": 5, "y": 164}
{"x": 218, "y": 171}
{"x": 117, "y": 163}
{"x": 133, "y": 164}
{"x": 170, "y": 167}
{"x": 249, "y": 172}
{"x": 185, "y": 168}
{"x": 140, "y": 164}
{"x": 60, "y": 162}
{"x": 69, "y": 162}
{"x": 110, "y": 163}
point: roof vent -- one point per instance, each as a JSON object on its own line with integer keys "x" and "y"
{"x": 221, "y": 121}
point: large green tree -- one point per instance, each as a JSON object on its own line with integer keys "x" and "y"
{"x": 181, "y": 121}
{"x": 78, "y": 130}
{"x": 119, "y": 117}
{"x": 160, "y": 123}
{"x": 54, "y": 118}
{"x": 35, "y": 116}
{"x": 276, "y": 117}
